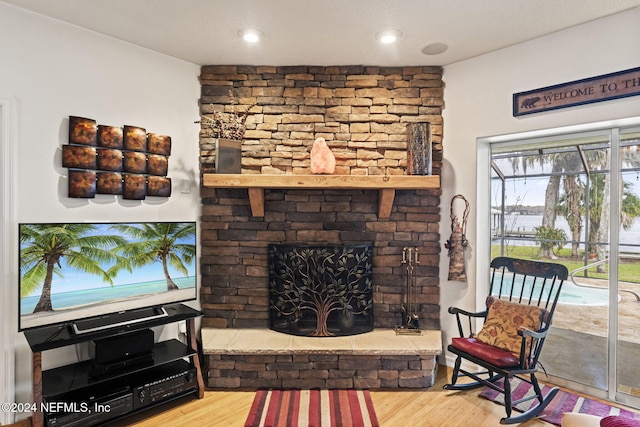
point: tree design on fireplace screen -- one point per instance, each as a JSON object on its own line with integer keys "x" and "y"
{"x": 321, "y": 291}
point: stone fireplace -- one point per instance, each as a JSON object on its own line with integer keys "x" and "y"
{"x": 362, "y": 113}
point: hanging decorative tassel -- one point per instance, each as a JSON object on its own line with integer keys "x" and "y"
{"x": 458, "y": 242}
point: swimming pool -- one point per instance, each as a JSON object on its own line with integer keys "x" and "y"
{"x": 578, "y": 295}
{"x": 571, "y": 294}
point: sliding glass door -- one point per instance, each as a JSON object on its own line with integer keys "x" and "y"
{"x": 574, "y": 198}
{"x": 627, "y": 316}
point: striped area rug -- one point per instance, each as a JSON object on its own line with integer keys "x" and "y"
{"x": 312, "y": 408}
{"x": 563, "y": 402}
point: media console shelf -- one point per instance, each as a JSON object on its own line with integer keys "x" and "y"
{"x": 128, "y": 390}
{"x": 386, "y": 184}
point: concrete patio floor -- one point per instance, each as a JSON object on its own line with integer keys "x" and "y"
{"x": 576, "y": 348}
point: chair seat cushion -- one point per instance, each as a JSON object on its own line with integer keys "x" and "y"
{"x": 494, "y": 355}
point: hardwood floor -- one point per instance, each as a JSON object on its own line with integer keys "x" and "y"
{"x": 434, "y": 407}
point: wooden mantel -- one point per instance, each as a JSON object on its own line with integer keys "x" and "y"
{"x": 386, "y": 184}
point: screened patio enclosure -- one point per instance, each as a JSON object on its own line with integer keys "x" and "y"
{"x": 574, "y": 198}
{"x": 556, "y": 184}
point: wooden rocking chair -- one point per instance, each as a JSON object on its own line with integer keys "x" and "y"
{"x": 520, "y": 306}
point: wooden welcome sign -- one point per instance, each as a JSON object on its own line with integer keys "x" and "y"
{"x": 585, "y": 91}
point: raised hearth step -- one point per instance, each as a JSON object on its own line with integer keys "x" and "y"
{"x": 266, "y": 341}
{"x": 262, "y": 358}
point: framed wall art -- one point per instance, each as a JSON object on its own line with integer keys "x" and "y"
{"x": 135, "y": 162}
{"x": 157, "y": 164}
{"x": 76, "y": 156}
{"x": 135, "y": 138}
{"x": 109, "y": 136}
{"x": 135, "y": 187}
{"x": 159, "y": 144}
{"x": 620, "y": 84}
{"x": 109, "y": 183}
{"x": 158, "y": 186}
{"x": 115, "y": 160}
{"x": 109, "y": 160}
{"x": 82, "y": 184}
{"x": 82, "y": 131}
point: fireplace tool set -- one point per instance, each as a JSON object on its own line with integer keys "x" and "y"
{"x": 410, "y": 324}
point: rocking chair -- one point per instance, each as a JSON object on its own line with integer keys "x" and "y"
{"x": 520, "y": 306}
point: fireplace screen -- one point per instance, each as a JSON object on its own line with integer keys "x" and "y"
{"x": 321, "y": 291}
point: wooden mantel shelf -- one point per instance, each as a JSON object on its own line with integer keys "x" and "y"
{"x": 386, "y": 184}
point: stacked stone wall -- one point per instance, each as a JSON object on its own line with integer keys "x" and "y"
{"x": 324, "y": 371}
{"x": 361, "y": 111}
{"x": 234, "y": 271}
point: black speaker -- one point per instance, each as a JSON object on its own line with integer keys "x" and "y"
{"x": 228, "y": 156}
{"x": 121, "y": 347}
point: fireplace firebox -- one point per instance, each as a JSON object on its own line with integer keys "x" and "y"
{"x": 321, "y": 291}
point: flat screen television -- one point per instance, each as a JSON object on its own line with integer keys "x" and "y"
{"x": 90, "y": 275}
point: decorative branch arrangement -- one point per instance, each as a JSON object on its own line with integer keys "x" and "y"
{"x": 226, "y": 126}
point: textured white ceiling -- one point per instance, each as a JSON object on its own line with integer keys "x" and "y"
{"x": 324, "y": 32}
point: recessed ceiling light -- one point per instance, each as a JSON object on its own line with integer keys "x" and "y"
{"x": 434, "y": 49}
{"x": 388, "y": 36}
{"x": 251, "y": 35}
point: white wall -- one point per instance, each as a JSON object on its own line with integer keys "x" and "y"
{"x": 478, "y": 103}
{"x": 50, "y": 70}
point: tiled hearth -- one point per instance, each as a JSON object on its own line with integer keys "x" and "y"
{"x": 261, "y": 358}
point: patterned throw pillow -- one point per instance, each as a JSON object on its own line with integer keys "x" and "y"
{"x": 500, "y": 329}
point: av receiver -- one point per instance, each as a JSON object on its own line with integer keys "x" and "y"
{"x": 179, "y": 378}
{"x": 88, "y": 413}
{"x": 111, "y": 399}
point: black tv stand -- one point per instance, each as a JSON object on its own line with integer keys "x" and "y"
{"x": 174, "y": 372}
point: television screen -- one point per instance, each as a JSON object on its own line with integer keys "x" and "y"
{"x": 72, "y": 271}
